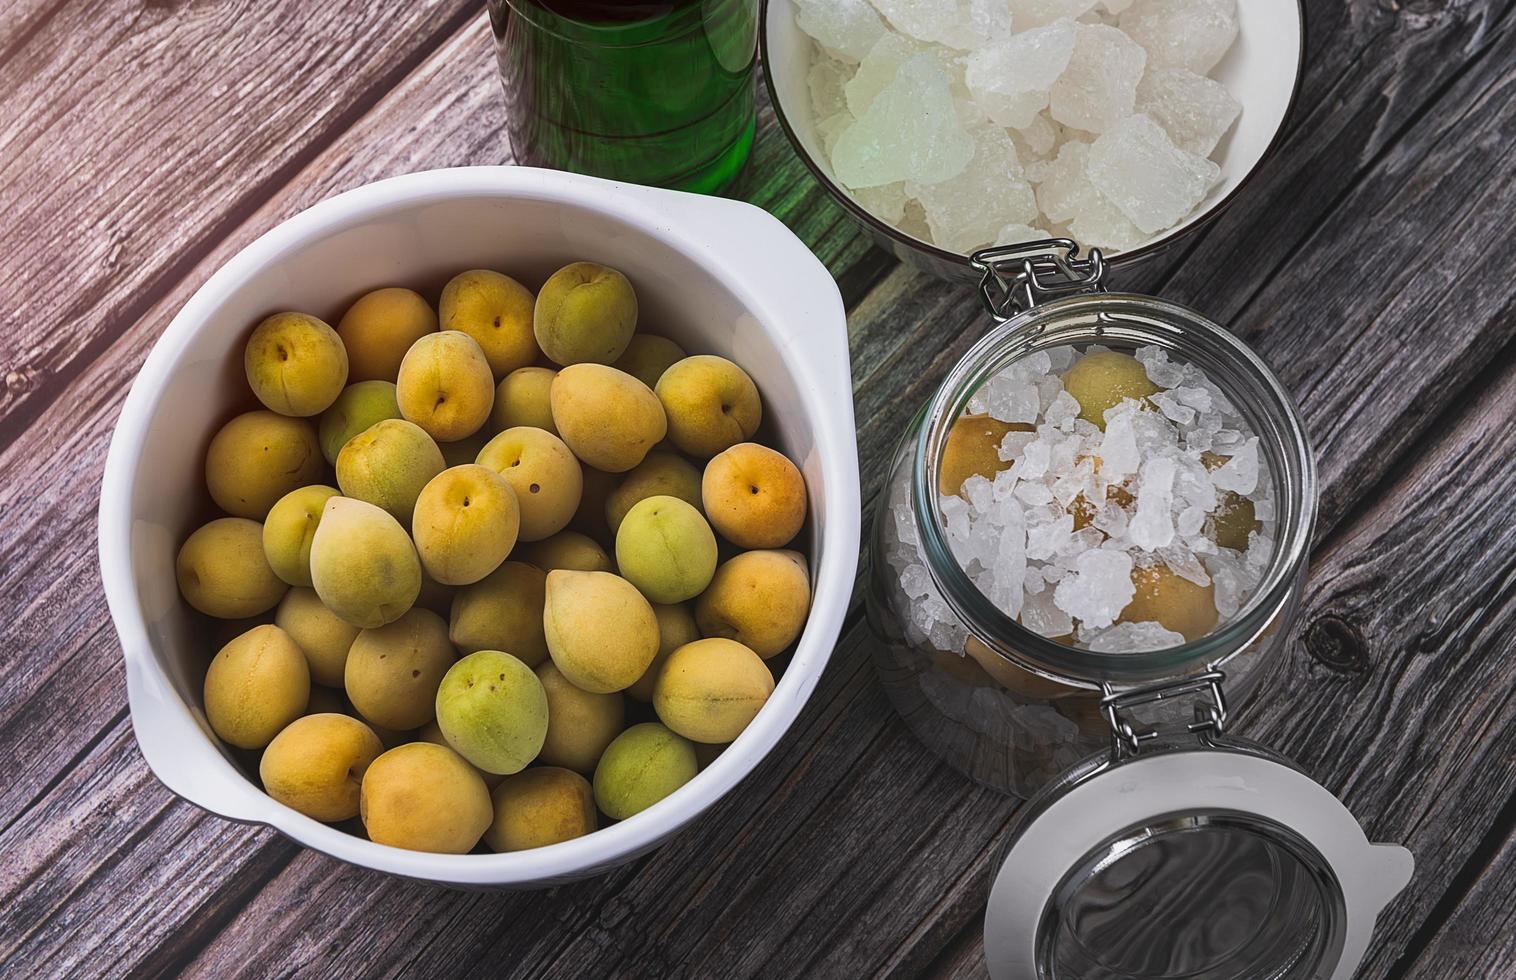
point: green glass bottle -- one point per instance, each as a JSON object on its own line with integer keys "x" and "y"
{"x": 649, "y": 91}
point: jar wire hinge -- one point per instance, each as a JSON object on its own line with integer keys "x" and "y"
{"x": 1210, "y": 710}
{"x": 1017, "y": 277}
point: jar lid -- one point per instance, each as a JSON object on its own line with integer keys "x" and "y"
{"x": 1192, "y": 855}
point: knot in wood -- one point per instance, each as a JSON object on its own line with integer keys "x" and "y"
{"x": 19, "y": 381}
{"x": 1337, "y": 644}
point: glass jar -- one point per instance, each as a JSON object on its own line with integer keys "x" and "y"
{"x": 1006, "y": 706}
{"x": 1137, "y": 788}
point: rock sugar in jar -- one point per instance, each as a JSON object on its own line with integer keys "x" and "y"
{"x": 1112, "y": 501}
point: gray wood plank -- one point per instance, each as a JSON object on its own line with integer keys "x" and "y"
{"x": 133, "y": 137}
{"x": 849, "y": 815}
{"x": 1478, "y": 937}
{"x": 50, "y": 580}
{"x": 1418, "y": 742}
{"x": 154, "y": 841}
{"x": 24, "y": 20}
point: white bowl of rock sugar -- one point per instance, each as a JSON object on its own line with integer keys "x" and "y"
{"x": 946, "y": 126}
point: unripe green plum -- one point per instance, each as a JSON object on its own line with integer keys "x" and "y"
{"x": 393, "y": 671}
{"x": 445, "y": 385}
{"x": 600, "y": 631}
{"x": 709, "y": 690}
{"x": 647, "y": 356}
{"x": 1101, "y": 380}
{"x": 608, "y": 418}
{"x": 541, "y": 806}
{"x": 585, "y": 313}
{"x": 666, "y": 549}
{"x": 496, "y": 311}
{"x": 223, "y": 571}
{"x": 493, "y": 711}
{"x": 544, "y": 473}
{"x": 258, "y": 457}
{"x": 643, "y": 765}
{"x": 387, "y": 464}
{"x": 255, "y": 685}
{"x": 425, "y": 797}
{"x": 661, "y": 473}
{"x": 379, "y": 328}
{"x": 358, "y": 407}
{"x": 363, "y": 565}
{"x": 465, "y": 523}
{"x": 503, "y": 611}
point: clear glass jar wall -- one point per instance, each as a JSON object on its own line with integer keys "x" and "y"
{"x": 1012, "y": 709}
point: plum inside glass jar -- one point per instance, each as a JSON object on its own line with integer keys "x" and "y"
{"x": 1111, "y": 500}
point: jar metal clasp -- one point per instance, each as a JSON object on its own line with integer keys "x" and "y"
{"x": 1017, "y": 277}
{"x": 1210, "y": 710}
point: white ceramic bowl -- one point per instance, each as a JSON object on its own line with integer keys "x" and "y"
{"x": 1262, "y": 70}
{"x": 717, "y": 276}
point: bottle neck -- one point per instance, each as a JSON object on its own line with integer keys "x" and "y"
{"x": 1123, "y": 321}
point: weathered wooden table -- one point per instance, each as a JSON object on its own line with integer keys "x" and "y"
{"x": 1372, "y": 264}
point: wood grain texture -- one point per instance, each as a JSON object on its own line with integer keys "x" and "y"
{"x": 1425, "y": 755}
{"x": 1380, "y": 294}
{"x": 1478, "y": 936}
{"x": 134, "y": 137}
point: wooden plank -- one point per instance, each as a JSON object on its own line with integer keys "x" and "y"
{"x": 23, "y": 20}
{"x": 50, "y": 578}
{"x": 1478, "y": 938}
{"x": 963, "y": 959}
{"x": 1374, "y": 72}
{"x": 132, "y": 138}
{"x": 614, "y": 912}
{"x": 1418, "y": 743}
{"x": 1389, "y": 160}
{"x": 110, "y": 796}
